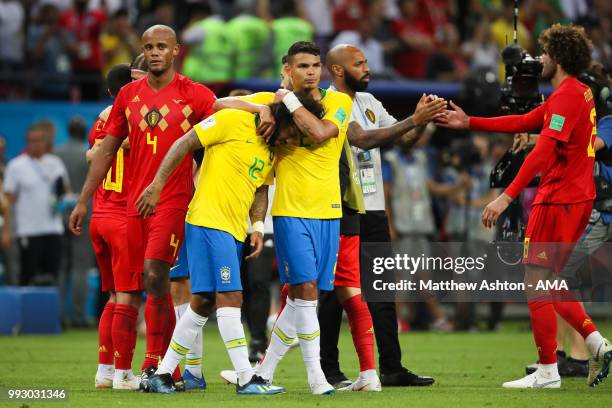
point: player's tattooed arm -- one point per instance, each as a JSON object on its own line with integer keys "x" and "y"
{"x": 260, "y": 204}
{"x": 257, "y": 213}
{"x": 101, "y": 162}
{"x": 149, "y": 198}
{"x": 316, "y": 129}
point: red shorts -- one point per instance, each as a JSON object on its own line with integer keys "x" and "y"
{"x": 552, "y": 232}
{"x": 159, "y": 237}
{"x": 111, "y": 249}
{"x": 347, "y": 266}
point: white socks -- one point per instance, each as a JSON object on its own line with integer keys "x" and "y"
{"x": 193, "y": 358}
{"x": 185, "y": 333}
{"x": 593, "y": 341}
{"x": 307, "y": 329}
{"x": 369, "y": 375}
{"x": 232, "y": 332}
{"x": 283, "y": 334}
{"x": 105, "y": 370}
{"x": 548, "y": 371}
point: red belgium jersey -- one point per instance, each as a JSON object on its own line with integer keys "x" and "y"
{"x": 110, "y": 197}
{"x": 154, "y": 120}
{"x": 567, "y": 117}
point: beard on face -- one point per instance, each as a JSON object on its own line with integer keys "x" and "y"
{"x": 549, "y": 72}
{"x": 357, "y": 85}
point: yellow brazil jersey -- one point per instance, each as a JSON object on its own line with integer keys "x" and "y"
{"x": 236, "y": 162}
{"x": 307, "y": 174}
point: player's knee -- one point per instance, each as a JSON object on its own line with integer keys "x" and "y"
{"x": 155, "y": 277}
{"x": 229, "y": 299}
{"x": 306, "y": 291}
{"x": 203, "y": 303}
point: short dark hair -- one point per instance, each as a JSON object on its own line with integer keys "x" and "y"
{"x": 568, "y": 46}
{"x": 118, "y": 77}
{"x": 139, "y": 62}
{"x": 284, "y": 59}
{"x": 284, "y": 118}
{"x": 303, "y": 47}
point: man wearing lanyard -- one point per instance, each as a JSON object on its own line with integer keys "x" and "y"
{"x": 372, "y": 126}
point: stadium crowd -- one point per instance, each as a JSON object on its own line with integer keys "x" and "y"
{"x": 62, "y": 49}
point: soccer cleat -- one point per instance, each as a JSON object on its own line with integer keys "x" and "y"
{"x": 144, "y": 378}
{"x": 192, "y": 382}
{"x": 229, "y": 376}
{"x": 322, "y": 389}
{"x": 179, "y": 385}
{"x": 405, "y": 378}
{"x": 535, "y": 380}
{"x": 599, "y": 363}
{"x": 161, "y": 384}
{"x": 364, "y": 384}
{"x": 104, "y": 382}
{"x": 128, "y": 382}
{"x": 258, "y": 386}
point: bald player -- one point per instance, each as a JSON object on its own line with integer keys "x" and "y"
{"x": 371, "y": 126}
{"x": 153, "y": 111}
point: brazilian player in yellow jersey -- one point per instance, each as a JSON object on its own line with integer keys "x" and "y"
{"x": 306, "y": 208}
{"x": 231, "y": 186}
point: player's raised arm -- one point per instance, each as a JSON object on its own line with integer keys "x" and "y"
{"x": 428, "y": 107}
{"x": 456, "y": 118}
{"x": 149, "y": 198}
{"x": 267, "y": 123}
{"x": 101, "y": 162}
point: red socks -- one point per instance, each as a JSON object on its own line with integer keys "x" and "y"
{"x": 544, "y": 326}
{"x": 574, "y": 314}
{"x": 105, "y": 337}
{"x": 360, "y": 323}
{"x": 124, "y": 335}
{"x": 160, "y": 320}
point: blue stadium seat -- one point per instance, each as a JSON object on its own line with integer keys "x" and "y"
{"x": 10, "y": 310}
{"x": 40, "y": 310}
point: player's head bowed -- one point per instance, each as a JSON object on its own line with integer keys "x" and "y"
{"x": 285, "y": 127}
{"x": 568, "y": 46}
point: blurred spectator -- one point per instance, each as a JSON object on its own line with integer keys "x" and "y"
{"x": 250, "y": 41}
{"x": 11, "y": 34}
{"x": 502, "y": 29}
{"x": 210, "y": 54}
{"x": 120, "y": 44}
{"x": 163, "y": 13}
{"x": 416, "y": 41}
{"x": 602, "y": 49}
{"x": 288, "y": 28}
{"x": 575, "y": 10}
{"x": 437, "y": 15}
{"x": 544, "y": 13}
{"x": 447, "y": 63}
{"x": 86, "y": 27}
{"x": 348, "y": 13}
{"x": 78, "y": 252}
{"x": 480, "y": 51}
{"x": 49, "y": 48}
{"x": 35, "y": 181}
{"x": 319, "y": 13}
{"x": 363, "y": 38}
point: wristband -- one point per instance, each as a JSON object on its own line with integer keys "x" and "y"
{"x": 258, "y": 226}
{"x": 292, "y": 102}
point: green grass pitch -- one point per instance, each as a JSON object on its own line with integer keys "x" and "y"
{"x": 469, "y": 369}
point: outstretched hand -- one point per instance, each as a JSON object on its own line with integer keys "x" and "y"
{"x": 454, "y": 118}
{"x": 494, "y": 209}
{"x": 256, "y": 245}
{"x": 427, "y": 109}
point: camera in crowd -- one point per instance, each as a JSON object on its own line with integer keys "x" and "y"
{"x": 520, "y": 94}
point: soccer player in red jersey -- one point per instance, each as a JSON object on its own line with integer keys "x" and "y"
{"x": 564, "y": 156}
{"x": 154, "y": 111}
{"x": 117, "y": 328}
